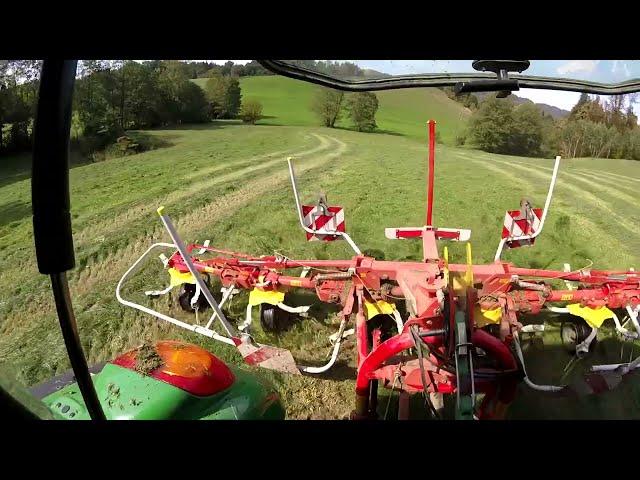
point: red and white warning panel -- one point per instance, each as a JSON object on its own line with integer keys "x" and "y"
{"x": 518, "y": 224}
{"x": 455, "y": 234}
{"x": 324, "y": 221}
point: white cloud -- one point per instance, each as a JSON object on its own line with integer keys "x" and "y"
{"x": 574, "y": 66}
{"x": 618, "y": 66}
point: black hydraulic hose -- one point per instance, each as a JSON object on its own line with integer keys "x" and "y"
{"x": 418, "y": 344}
{"x": 51, "y": 209}
{"x": 450, "y": 368}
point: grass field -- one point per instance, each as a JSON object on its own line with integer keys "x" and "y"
{"x": 400, "y": 112}
{"x": 228, "y": 183}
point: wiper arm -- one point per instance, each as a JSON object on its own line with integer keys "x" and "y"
{"x": 503, "y": 87}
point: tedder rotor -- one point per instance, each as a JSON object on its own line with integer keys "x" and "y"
{"x": 460, "y": 333}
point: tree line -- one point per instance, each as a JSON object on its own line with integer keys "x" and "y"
{"x": 18, "y": 100}
{"x": 229, "y": 69}
{"x": 114, "y": 96}
{"x": 594, "y": 128}
{"x": 111, "y": 97}
{"x": 335, "y": 68}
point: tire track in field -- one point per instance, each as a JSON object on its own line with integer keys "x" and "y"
{"x": 117, "y": 262}
{"x": 582, "y": 195}
{"x": 221, "y": 166}
{"x": 323, "y": 144}
{"x": 131, "y": 215}
{"x": 108, "y": 271}
{"x": 586, "y": 226}
{"x": 218, "y": 166}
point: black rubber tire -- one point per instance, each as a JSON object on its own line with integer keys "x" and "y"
{"x": 573, "y": 332}
{"x": 188, "y": 290}
{"x": 273, "y": 318}
{"x": 385, "y": 323}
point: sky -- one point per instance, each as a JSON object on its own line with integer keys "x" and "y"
{"x": 604, "y": 71}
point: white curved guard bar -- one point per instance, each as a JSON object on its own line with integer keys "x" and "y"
{"x": 544, "y": 213}
{"x": 557, "y": 309}
{"x": 623, "y": 368}
{"x": 584, "y": 346}
{"x": 195, "y": 297}
{"x": 334, "y": 353}
{"x": 299, "y": 310}
{"x": 398, "y": 318}
{"x": 570, "y": 285}
{"x": 206, "y": 243}
{"x": 301, "y": 217}
{"x": 532, "y": 328}
{"x": 227, "y": 293}
{"x": 541, "y": 388}
{"x": 347, "y": 333}
{"x": 633, "y": 314}
{"x": 157, "y": 293}
{"x": 194, "y": 328}
{"x": 247, "y": 319}
{"x": 623, "y": 330}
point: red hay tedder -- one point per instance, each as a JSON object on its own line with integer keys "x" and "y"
{"x": 458, "y": 332}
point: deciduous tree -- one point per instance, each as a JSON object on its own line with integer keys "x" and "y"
{"x": 251, "y": 111}
{"x": 327, "y": 103}
{"x": 362, "y": 108}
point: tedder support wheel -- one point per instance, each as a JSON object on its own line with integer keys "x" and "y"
{"x": 188, "y": 290}
{"x": 573, "y": 332}
{"x": 273, "y": 318}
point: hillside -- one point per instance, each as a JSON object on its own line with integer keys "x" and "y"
{"x": 401, "y": 112}
{"x": 555, "y": 112}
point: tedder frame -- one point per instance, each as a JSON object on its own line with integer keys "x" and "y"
{"x": 459, "y": 333}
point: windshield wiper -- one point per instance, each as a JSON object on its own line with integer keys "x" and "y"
{"x": 281, "y": 67}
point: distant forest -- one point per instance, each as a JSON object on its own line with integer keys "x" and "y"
{"x": 115, "y": 96}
